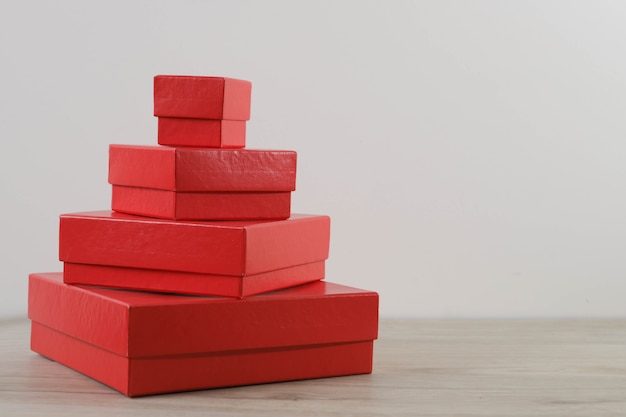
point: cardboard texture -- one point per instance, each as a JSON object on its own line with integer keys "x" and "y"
{"x": 231, "y": 248}
{"x": 175, "y": 205}
{"x": 201, "y": 97}
{"x": 144, "y": 343}
{"x": 202, "y": 170}
{"x": 192, "y": 283}
{"x": 207, "y": 133}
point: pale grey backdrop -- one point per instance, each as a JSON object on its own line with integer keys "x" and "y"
{"x": 470, "y": 153}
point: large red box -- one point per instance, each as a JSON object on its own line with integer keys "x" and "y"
{"x": 201, "y": 97}
{"x": 207, "y": 133}
{"x": 239, "y": 250}
{"x": 176, "y": 205}
{"x": 202, "y": 170}
{"x": 144, "y": 343}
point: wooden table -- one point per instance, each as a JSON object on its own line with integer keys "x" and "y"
{"x": 421, "y": 368}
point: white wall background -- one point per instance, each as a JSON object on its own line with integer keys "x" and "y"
{"x": 470, "y": 153}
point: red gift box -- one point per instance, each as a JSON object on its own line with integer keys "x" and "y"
{"x": 202, "y": 184}
{"x": 207, "y": 133}
{"x": 144, "y": 343}
{"x": 202, "y": 170}
{"x": 240, "y": 250}
{"x": 201, "y": 97}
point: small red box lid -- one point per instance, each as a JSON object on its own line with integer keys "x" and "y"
{"x": 212, "y": 247}
{"x": 202, "y": 169}
{"x": 201, "y": 97}
{"x": 143, "y": 324}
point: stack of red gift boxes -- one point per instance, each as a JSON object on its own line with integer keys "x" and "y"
{"x": 200, "y": 277}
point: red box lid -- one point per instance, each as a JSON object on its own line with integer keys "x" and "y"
{"x": 202, "y": 169}
{"x": 202, "y": 97}
{"x": 142, "y": 324}
{"x": 212, "y": 247}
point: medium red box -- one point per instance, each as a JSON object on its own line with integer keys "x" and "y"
{"x": 202, "y": 170}
{"x": 207, "y": 133}
{"x": 201, "y": 97}
{"x": 176, "y": 205}
{"x": 144, "y": 343}
{"x": 202, "y": 184}
{"x": 236, "y": 249}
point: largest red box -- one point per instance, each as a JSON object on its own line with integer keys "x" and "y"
{"x": 234, "y": 258}
{"x": 145, "y": 343}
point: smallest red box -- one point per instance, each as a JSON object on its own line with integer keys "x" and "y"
{"x": 197, "y": 97}
{"x": 201, "y": 133}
